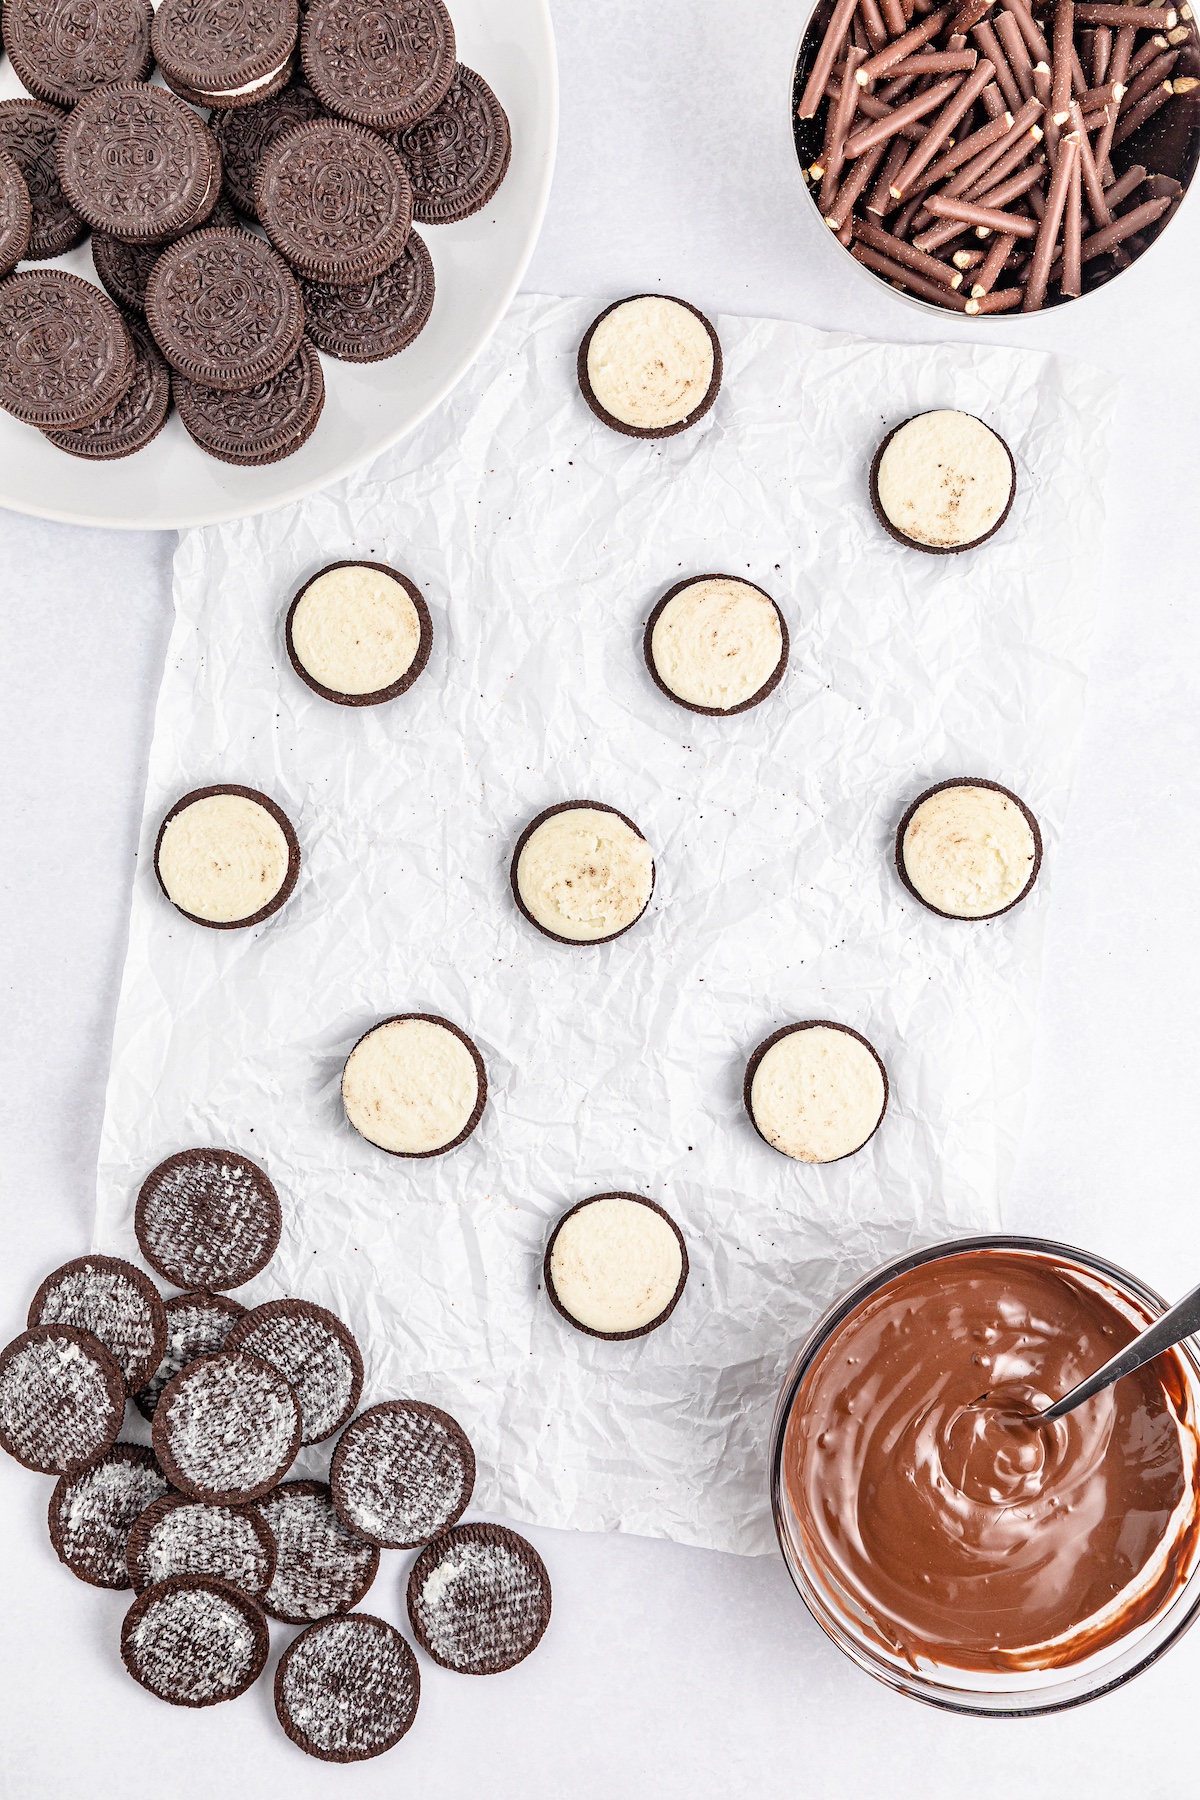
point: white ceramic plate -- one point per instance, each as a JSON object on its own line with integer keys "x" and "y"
{"x": 478, "y": 265}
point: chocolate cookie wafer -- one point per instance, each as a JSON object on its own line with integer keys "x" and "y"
{"x": 582, "y": 873}
{"x": 381, "y": 72}
{"x": 402, "y": 1472}
{"x": 135, "y": 162}
{"x": 62, "y": 1399}
{"x": 197, "y": 1325}
{"x": 650, "y": 366}
{"x": 194, "y": 1641}
{"x": 227, "y": 856}
{"x": 616, "y": 1266}
{"x": 225, "y": 310}
{"x": 322, "y": 1567}
{"x": 358, "y": 634}
{"x": 816, "y": 1091}
{"x": 29, "y": 134}
{"x": 479, "y": 1599}
{"x": 116, "y": 1303}
{"x": 942, "y": 482}
{"x": 369, "y": 320}
{"x": 246, "y": 133}
{"x": 227, "y": 1428}
{"x": 16, "y": 214}
{"x": 63, "y": 49}
{"x": 374, "y": 207}
{"x": 208, "y": 1218}
{"x": 230, "y": 55}
{"x": 92, "y": 1513}
{"x": 124, "y": 269}
{"x": 716, "y": 644}
{"x": 414, "y": 1085}
{"x": 458, "y": 154}
{"x": 314, "y": 1352}
{"x": 66, "y": 356}
{"x": 265, "y": 424}
{"x": 347, "y": 1689}
{"x": 139, "y": 414}
{"x": 176, "y": 1535}
{"x": 968, "y": 849}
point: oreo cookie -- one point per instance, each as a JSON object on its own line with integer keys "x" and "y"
{"x": 66, "y": 357}
{"x": 650, "y": 366}
{"x": 208, "y": 1219}
{"x": 314, "y": 1352}
{"x": 365, "y": 231}
{"x": 716, "y": 645}
{"x": 816, "y": 1091}
{"x": 124, "y": 269}
{"x": 322, "y": 1567}
{"x": 197, "y": 1325}
{"x": 225, "y": 310}
{"x": 402, "y": 1472}
{"x": 62, "y": 1399}
{"x": 347, "y": 1689}
{"x": 92, "y": 1514}
{"x": 16, "y": 214}
{"x": 139, "y": 414}
{"x": 64, "y": 49}
{"x": 265, "y": 424}
{"x": 135, "y": 162}
{"x": 414, "y": 1085}
{"x": 29, "y": 134}
{"x": 369, "y": 320}
{"x": 247, "y": 133}
{"x": 194, "y": 1641}
{"x": 227, "y": 1428}
{"x": 381, "y": 69}
{"x": 358, "y": 633}
{"x": 226, "y": 857}
{"x": 616, "y": 1266}
{"x": 479, "y": 1599}
{"x": 582, "y": 873}
{"x": 231, "y": 55}
{"x": 458, "y": 154}
{"x": 175, "y": 1535}
{"x": 114, "y": 1302}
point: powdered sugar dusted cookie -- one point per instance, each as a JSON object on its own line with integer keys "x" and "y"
{"x": 114, "y": 1302}
{"x": 479, "y": 1599}
{"x": 227, "y": 856}
{"x": 322, "y": 1567}
{"x": 943, "y": 482}
{"x": 616, "y": 1266}
{"x": 402, "y": 1472}
{"x": 816, "y": 1091}
{"x": 968, "y": 849}
{"x": 194, "y": 1641}
{"x": 227, "y": 1428}
{"x": 582, "y": 873}
{"x": 180, "y": 1536}
{"x": 208, "y": 1219}
{"x": 62, "y": 1399}
{"x": 347, "y": 1689}
{"x": 314, "y": 1352}
{"x": 92, "y": 1514}
{"x": 414, "y": 1085}
{"x": 650, "y": 366}
{"x": 716, "y": 644}
{"x": 197, "y": 1325}
{"x": 359, "y": 633}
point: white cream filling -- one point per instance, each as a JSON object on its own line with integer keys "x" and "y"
{"x": 944, "y": 479}
{"x": 968, "y": 851}
{"x": 223, "y": 858}
{"x": 717, "y": 643}
{"x": 356, "y": 630}
{"x": 817, "y": 1094}
{"x": 650, "y": 362}
{"x": 249, "y": 88}
{"x": 584, "y": 874}
{"x": 410, "y": 1086}
{"x": 615, "y": 1265}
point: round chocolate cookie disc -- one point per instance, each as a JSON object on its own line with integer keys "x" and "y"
{"x": 263, "y": 425}
{"x": 479, "y": 1599}
{"x": 582, "y": 873}
{"x": 942, "y": 482}
{"x": 66, "y": 356}
{"x": 62, "y": 1399}
{"x": 29, "y": 134}
{"x": 193, "y": 1641}
{"x": 358, "y": 634}
{"x": 208, "y": 1219}
{"x": 226, "y": 857}
{"x": 321, "y": 1567}
{"x": 246, "y": 133}
{"x": 414, "y": 1085}
{"x": 116, "y": 1303}
{"x": 816, "y": 1091}
{"x": 124, "y": 269}
{"x": 138, "y": 416}
{"x": 227, "y": 1428}
{"x": 616, "y": 1266}
{"x": 402, "y": 1472}
{"x": 650, "y": 366}
{"x": 92, "y": 1513}
{"x": 16, "y": 214}
{"x": 178, "y": 1536}
{"x": 381, "y": 66}
{"x": 968, "y": 849}
{"x": 335, "y": 200}
{"x": 370, "y": 320}
{"x": 136, "y": 162}
{"x": 225, "y": 310}
{"x": 63, "y": 49}
{"x": 458, "y": 154}
{"x": 314, "y": 1352}
{"x": 228, "y": 54}
{"x": 716, "y": 644}
{"x": 197, "y": 1325}
{"x": 347, "y": 1689}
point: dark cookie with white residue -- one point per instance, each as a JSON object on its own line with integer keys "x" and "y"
{"x": 321, "y": 1567}
{"x": 402, "y": 1472}
{"x": 197, "y": 1325}
{"x": 62, "y": 1399}
{"x": 136, "y": 162}
{"x": 92, "y": 1514}
{"x": 479, "y": 1599}
{"x": 370, "y": 320}
{"x": 458, "y": 154}
{"x": 359, "y": 236}
{"x": 227, "y": 1428}
{"x": 66, "y": 356}
{"x": 116, "y": 1303}
{"x": 139, "y": 414}
{"x": 265, "y": 424}
{"x": 314, "y": 1352}
{"x": 225, "y": 310}
{"x": 16, "y": 214}
{"x": 176, "y": 1535}
{"x": 382, "y": 68}
{"x": 194, "y": 1641}
{"x": 225, "y": 55}
{"x": 208, "y": 1219}
{"x": 247, "y": 133}
{"x": 29, "y": 134}
{"x": 64, "y": 49}
{"x": 347, "y": 1689}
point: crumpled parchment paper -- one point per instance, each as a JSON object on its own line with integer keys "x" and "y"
{"x": 542, "y": 541}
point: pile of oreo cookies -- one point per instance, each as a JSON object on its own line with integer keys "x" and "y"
{"x": 202, "y": 1523}
{"x": 234, "y": 248}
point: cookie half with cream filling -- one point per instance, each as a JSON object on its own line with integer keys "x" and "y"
{"x": 943, "y": 482}
{"x": 650, "y": 366}
{"x": 582, "y": 872}
{"x": 358, "y": 633}
{"x": 816, "y": 1091}
{"x": 414, "y": 1085}
{"x": 227, "y": 857}
{"x": 968, "y": 849}
{"x": 716, "y": 644}
{"x": 616, "y": 1266}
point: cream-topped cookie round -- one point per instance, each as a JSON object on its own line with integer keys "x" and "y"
{"x": 355, "y": 632}
{"x": 944, "y": 480}
{"x": 817, "y": 1092}
{"x": 223, "y": 858}
{"x": 650, "y": 364}
{"x": 412, "y": 1086}
{"x": 615, "y": 1265}
{"x": 969, "y": 851}
{"x": 716, "y": 643}
{"x": 583, "y": 873}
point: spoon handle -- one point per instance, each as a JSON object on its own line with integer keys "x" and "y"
{"x": 1181, "y": 1321}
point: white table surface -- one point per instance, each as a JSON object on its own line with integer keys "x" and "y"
{"x": 666, "y": 1671}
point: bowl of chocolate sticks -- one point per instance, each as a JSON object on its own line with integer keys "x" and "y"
{"x": 992, "y": 156}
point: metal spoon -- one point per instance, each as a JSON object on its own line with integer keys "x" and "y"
{"x": 1181, "y": 1321}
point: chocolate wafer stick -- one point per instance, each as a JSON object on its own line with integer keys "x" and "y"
{"x": 968, "y": 259}
{"x": 881, "y": 200}
{"x": 936, "y": 62}
{"x": 851, "y": 189}
{"x": 1003, "y": 300}
{"x": 1047, "y": 232}
{"x": 1119, "y": 191}
{"x": 912, "y": 258}
{"x": 1060, "y": 61}
{"x": 1023, "y": 133}
{"x": 968, "y": 212}
{"x": 990, "y": 47}
{"x": 940, "y": 128}
{"x": 908, "y": 114}
{"x": 827, "y": 55}
{"x": 1004, "y": 191}
{"x": 1153, "y": 46}
{"x": 1147, "y": 18}
{"x": 1017, "y": 52}
{"x": 1150, "y": 77}
{"x": 871, "y": 108}
{"x": 1122, "y": 228}
{"x": 971, "y": 146}
{"x": 1071, "y": 280}
{"x": 873, "y": 25}
{"x": 1145, "y": 109}
{"x": 1039, "y": 49}
{"x": 1102, "y": 42}
{"x": 1029, "y": 144}
{"x": 1098, "y": 206}
{"x": 993, "y": 264}
{"x": 904, "y": 222}
{"x": 969, "y": 16}
{"x": 1118, "y": 70}
{"x": 893, "y": 17}
{"x": 907, "y": 278}
{"x": 1095, "y": 99}
{"x": 842, "y": 116}
{"x": 880, "y": 63}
